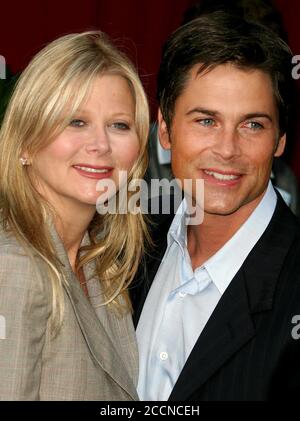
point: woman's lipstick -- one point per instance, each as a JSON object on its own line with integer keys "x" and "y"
{"x": 94, "y": 171}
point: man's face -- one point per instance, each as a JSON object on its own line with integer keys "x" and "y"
{"x": 225, "y": 130}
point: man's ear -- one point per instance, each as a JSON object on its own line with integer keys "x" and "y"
{"x": 163, "y": 132}
{"x": 280, "y": 146}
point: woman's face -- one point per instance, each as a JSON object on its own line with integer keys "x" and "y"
{"x": 99, "y": 142}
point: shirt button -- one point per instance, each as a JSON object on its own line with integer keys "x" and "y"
{"x": 163, "y": 356}
{"x": 182, "y": 294}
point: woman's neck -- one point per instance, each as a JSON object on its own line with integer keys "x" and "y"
{"x": 71, "y": 231}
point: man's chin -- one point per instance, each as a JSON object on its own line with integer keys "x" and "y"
{"x": 221, "y": 210}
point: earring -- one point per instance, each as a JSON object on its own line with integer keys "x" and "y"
{"x": 24, "y": 161}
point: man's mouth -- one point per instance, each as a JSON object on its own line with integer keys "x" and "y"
{"x": 222, "y": 176}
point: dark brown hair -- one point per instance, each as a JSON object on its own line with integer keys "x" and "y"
{"x": 219, "y": 38}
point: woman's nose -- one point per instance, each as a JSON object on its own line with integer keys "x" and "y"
{"x": 99, "y": 142}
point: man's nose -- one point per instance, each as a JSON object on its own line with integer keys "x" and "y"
{"x": 227, "y": 143}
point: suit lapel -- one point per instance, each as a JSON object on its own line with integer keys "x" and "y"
{"x": 119, "y": 329}
{"x": 97, "y": 339}
{"x": 228, "y": 329}
{"x": 251, "y": 291}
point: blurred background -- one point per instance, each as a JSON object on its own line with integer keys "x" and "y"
{"x": 138, "y": 27}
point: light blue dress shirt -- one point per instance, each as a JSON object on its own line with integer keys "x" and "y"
{"x": 181, "y": 300}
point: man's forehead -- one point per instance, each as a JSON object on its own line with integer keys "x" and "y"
{"x": 228, "y": 77}
{"x": 227, "y": 89}
{"x": 200, "y": 70}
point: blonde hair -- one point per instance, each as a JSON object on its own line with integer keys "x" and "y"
{"x": 47, "y": 95}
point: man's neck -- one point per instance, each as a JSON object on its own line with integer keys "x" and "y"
{"x": 204, "y": 240}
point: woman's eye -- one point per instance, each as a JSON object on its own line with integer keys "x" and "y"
{"x": 77, "y": 123}
{"x": 254, "y": 125}
{"x": 120, "y": 125}
{"x": 206, "y": 122}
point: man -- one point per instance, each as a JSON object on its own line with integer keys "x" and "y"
{"x": 217, "y": 306}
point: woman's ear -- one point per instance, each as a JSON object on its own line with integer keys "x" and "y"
{"x": 163, "y": 132}
{"x": 24, "y": 159}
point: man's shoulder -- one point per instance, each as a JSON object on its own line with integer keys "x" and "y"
{"x": 273, "y": 264}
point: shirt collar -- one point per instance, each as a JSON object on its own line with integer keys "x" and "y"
{"x": 177, "y": 231}
{"x": 224, "y": 264}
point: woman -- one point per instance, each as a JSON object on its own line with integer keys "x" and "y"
{"x": 78, "y": 116}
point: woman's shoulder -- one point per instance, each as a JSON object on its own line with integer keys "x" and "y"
{"x": 9, "y": 244}
{"x": 19, "y": 260}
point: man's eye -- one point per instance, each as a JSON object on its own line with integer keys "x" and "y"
{"x": 119, "y": 125}
{"x": 77, "y": 123}
{"x": 254, "y": 125}
{"x": 206, "y": 122}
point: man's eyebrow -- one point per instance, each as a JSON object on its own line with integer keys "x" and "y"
{"x": 257, "y": 115}
{"x": 203, "y": 111}
{"x": 214, "y": 113}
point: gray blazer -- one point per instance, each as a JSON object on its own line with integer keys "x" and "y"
{"x": 94, "y": 355}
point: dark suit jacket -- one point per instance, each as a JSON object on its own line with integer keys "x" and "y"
{"x": 246, "y": 350}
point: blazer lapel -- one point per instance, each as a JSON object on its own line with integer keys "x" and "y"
{"x": 97, "y": 339}
{"x": 251, "y": 291}
{"x": 228, "y": 329}
{"x": 119, "y": 329}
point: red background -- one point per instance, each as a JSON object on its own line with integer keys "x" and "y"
{"x": 140, "y": 26}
